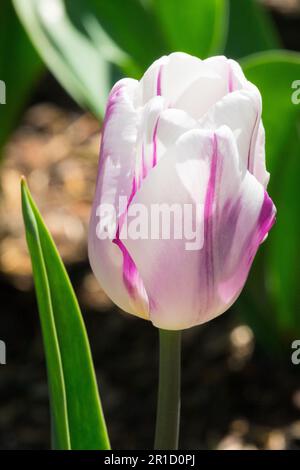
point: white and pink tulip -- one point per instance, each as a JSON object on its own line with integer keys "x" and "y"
{"x": 188, "y": 133}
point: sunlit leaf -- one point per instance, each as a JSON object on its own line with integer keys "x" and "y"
{"x": 275, "y": 73}
{"x": 74, "y": 46}
{"x": 251, "y": 29}
{"x": 198, "y": 28}
{"x": 78, "y": 421}
{"x": 133, "y": 26}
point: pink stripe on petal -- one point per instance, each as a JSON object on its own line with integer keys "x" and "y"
{"x": 130, "y": 272}
{"x": 158, "y": 82}
{"x": 231, "y": 287}
{"x": 110, "y": 107}
{"x": 154, "y": 143}
{"x": 123, "y": 215}
{"x": 131, "y": 277}
{"x": 266, "y": 218}
{"x": 208, "y": 219}
{"x": 264, "y": 223}
{"x": 144, "y": 166}
{"x": 230, "y": 79}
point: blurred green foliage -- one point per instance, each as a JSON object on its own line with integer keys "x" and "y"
{"x": 81, "y": 40}
{"x": 74, "y": 47}
{"x": 198, "y": 28}
{"x": 20, "y": 67}
{"x": 250, "y": 29}
{"x": 281, "y": 118}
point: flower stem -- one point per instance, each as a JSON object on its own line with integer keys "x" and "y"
{"x": 168, "y": 405}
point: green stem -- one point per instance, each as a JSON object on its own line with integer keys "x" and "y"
{"x": 168, "y": 405}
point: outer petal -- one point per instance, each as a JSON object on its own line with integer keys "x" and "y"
{"x": 117, "y": 153}
{"x": 112, "y": 265}
{"x": 169, "y": 271}
{"x": 237, "y": 77}
{"x": 259, "y": 158}
{"x": 148, "y": 146}
{"x": 133, "y": 142}
{"x": 190, "y": 287}
{"x": 150, "y": 84}
{"x": 239, "y": 111}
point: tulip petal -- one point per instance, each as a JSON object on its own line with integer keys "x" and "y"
{"x": 111, "y": 264}
{"x": 110, "y": 260}
{"x": 259, "y": 159}
{"x": 148, "y": 146}
{"x": 117, "y": 153}
{"x": 188, "y": 287}
{"x": 237, "y": 77}
{"x": 238, "y": 111}
{"x": 193, "y": 75}
{"x": 172, "y": 124}
{"x": 165, "y": 265}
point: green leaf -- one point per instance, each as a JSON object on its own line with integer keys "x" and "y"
{"x": 282, "y": 256}
{"x": 20, "y": 68}
{"x": 74, "y": 46}
{"x": 78, "y": 421}
{"x": 133, "y": 26}
{"x": 280, "y": 114}
{"x": 274, "y": 74}
{"x": 250, "y": 29}
{"x": 198, "y": 28}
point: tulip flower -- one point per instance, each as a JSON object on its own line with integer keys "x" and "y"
{"x": 189, "y": 134}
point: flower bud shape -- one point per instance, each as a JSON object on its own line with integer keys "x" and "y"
{"x": 187, "y": 137}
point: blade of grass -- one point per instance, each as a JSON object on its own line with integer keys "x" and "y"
{"x": 57, "y": 301}
{"x": 55, "y": 371}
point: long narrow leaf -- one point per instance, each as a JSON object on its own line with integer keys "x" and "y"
{"x": 133, "y": 26}
{"x": 53, "y": 357}
{"x": 74, "y": 46}
{"x": 68, "y": 355}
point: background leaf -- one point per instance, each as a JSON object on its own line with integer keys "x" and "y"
{"x": 20, "y": 67}
{"x": 280, "y": 115}
{"x": 76, "y": 409}
{"x": 251, "y": 29}
{"x": 198, "y": 28}
{"x": 133, "y": 26}
{"x": 74, "y": 46}
{"x": 79, "y": 41}
{"x": 278, "y": 267}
